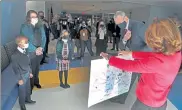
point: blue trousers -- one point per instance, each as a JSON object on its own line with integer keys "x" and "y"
{"x": 87, "y": 44}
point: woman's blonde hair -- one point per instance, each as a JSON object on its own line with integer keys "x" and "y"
{"x": 164, "y": 36}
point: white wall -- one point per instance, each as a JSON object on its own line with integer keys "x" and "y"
{"x": 56, "y": 7}
{"x": 35, "y": 5}
{"x": 148, "y": 13}
{"x": 163, "y": 12}
{"x": 141, "y": 14}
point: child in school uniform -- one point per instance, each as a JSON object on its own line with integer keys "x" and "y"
{"x": 64, "y": 56}
{"x": 22, "y": 69}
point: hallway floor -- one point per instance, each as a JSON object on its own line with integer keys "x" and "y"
{"x": 75, "y": 98}
{"x": 52, "y": 97}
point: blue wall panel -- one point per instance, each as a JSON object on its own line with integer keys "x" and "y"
{"x": 13, "y": 15}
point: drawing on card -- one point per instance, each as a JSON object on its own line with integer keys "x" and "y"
{"x": 107, "y": 81}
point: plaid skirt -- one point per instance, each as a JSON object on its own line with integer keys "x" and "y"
{"x": 61, "y": 66}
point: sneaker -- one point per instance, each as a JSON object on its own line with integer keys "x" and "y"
{"x": 62, "y": 85}
{"x": 67, "y": 85}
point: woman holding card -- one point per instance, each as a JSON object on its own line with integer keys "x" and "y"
{"x": 158, "y": 68}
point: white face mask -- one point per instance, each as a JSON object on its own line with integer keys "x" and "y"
{"x": 101, "y": 23}
{"x": 26, "y": 46}
{"x": 65, "y": 40}
{"x": 34, "y": 21}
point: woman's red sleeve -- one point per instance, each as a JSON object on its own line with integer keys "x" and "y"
{"x": 141, "y": 55}
{"x": 147, "y": 65}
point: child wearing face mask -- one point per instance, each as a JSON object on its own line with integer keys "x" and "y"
{"x": 22, "y": 69}
{"x": 64, "y": 56}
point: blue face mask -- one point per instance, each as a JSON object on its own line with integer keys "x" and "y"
{"x": 122, "y": 25}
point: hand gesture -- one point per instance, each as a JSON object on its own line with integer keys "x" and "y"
{"x": 67, "y": 61}
{"x": 39, "y": 51}
{"x": 114, "y": 33}
{"x": 64, "y": 61}
{"x": 124, "y": 53}
{"x": 104, "y": 55}
{"x": 40, "y": 48}
{"x": 20, "y": 82}
{"x": 31, "y": 75}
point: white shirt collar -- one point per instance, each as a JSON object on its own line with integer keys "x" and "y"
{"x": 127, "y": 25}
{"x": 21, "y": 50}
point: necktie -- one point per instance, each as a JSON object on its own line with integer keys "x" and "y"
{"x": 24, "y": 51}
{"x": 124, "y": 41}
{"x": 124, "y": 32}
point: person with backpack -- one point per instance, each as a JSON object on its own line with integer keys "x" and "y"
{"x": 85, "y": 39}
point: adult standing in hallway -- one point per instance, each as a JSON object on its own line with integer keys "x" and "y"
{"x": 85, "y": 39}
{"x": 132, "y": 38}
{"x": 111, "y": 27}
{"x": 158, "y": 68}
{"x": 116, "y": 37}
{"x": 47, "y": 32}
{"x": 34, "y": 31}
{"x": 55, "y": 27}
{"x": 102, "y": 38}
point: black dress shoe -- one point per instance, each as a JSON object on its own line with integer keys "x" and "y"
{"x": 38, "y": 86}
{"x": 42, "y": 62}
{"x": 23, "y": 107}
{"x": 30, "y": 102}
{"x": 112, "y": 49}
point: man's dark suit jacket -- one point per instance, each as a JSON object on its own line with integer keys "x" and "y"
{"x": 137, "y": 40}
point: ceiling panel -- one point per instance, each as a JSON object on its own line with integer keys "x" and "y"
{"x": 95, "y": 6}
{"x": 99, "y": 6}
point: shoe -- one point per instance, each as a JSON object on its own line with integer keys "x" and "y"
{"x": 38, "y": 86}
{"x": 47, "y": 56}
{"x": 79, "y": 58}
{"x": 67, "y": 85}
{"x": 41, "y": 63}
{"x": 44, "y": 62}
{"x": 30, "y": 102}
{"x": 112, "y": 49}
{"x": 62, "y": 85}
{"x": 22, "y": 107}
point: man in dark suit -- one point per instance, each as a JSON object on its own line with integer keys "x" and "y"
{"x": 47, "y": 31}
{"x": 116, "y": 38}
{"x": 111, "y": 28}
{"x": 132, "y": 38}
